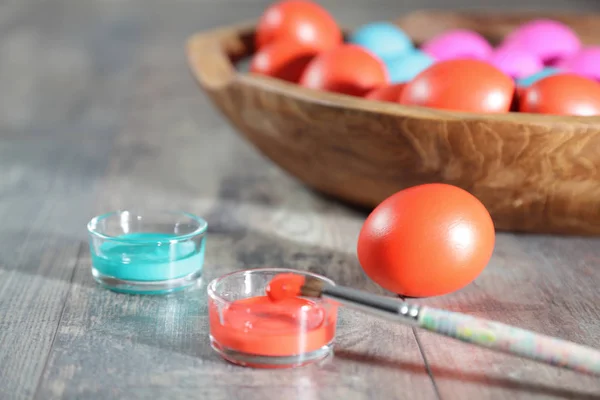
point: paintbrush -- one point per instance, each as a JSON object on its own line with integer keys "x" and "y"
{"x": 480, "y": 332}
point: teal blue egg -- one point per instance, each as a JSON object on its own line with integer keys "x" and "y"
{"x": 531, "y": 79}
{"x": 384, "y": 39}
{"x": 405, "y": 68}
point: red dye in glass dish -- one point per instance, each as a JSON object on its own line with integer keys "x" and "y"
{"x": 279, "y": 330}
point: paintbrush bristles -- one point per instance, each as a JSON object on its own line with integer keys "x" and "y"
{"x": 313, "y": 287}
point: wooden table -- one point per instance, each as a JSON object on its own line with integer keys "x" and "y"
{"x": 99, "y": 112}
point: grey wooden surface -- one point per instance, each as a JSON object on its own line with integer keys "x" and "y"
{"x": 99, "y": 112}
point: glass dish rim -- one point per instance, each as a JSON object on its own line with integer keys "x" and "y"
{"x": 203, "y": 226}
{"x": 213, "y": 295}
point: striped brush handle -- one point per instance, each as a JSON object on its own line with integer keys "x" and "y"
{"x": 479, "y": 332}
{"x": 508, "y": 339}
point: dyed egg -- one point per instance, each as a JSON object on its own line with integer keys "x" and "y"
{"x": 405, "y": 68}
{"x": 298, "y": 21}
{"x": 516, "y": 62}
{"x": 458, "y": 43}
{"x": 585, "y": 63}
{"x": 461, "y": 85}
{"x": 562, "y": 94}
{"x": 389, "y": 93}
{"x": 549, "y": 40}
{"x": 531, "y": 79}
{"x": 383, "y": 39}
{"x": 347, "y": 69}
{"x": 427, "y": 240}
{"x": 283, "y": 60}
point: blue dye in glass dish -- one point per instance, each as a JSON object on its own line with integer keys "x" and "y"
{"x": 147, "y": 262}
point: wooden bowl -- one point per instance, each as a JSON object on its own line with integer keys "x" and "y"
{"x": 534, "y": 173}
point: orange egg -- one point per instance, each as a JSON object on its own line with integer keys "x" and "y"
{"x": 562, "y": 94}
{"x": 300, "y": 21}
{"x": 427, "y": 240}
{"x": 389, "y": 93}
{"x": 347, "y": 69}
{"x": 461, "y": 85}
{"x": 283, "y": 60}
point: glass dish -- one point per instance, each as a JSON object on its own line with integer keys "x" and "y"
{"x": 246, "y": 328}
{"x": 149, "y": 252}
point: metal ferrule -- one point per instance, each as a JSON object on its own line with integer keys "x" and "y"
{"x": 385, "y": 307}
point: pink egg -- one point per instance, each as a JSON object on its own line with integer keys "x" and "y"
{"x": 515, "y": 62}
{"x": 457, "y": 43}
{"x": 585, "y": 63}
{"x": 549, "y": 40}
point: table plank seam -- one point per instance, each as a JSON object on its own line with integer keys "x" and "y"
{"x": 80, "y": 252}
{"x": 427, "y": 367}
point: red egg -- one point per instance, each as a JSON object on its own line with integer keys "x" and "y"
{"x": 389, "y": 93}
{"x": 283, "y": 60}
{"x": 461, "y": 85}
{"x": 347, "y": 69}
{"x": 299, "y": 21}
{"x": 427, "y": 240}
{"x": 562, "y": 94}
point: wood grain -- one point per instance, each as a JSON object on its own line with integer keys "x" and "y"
{"x": 534, "y": 173}
{"x": 99, "y": 112}
{"x": 48, "y": 167}
{"x": 147, "y": 347}
{"x": 540, "y": 284}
